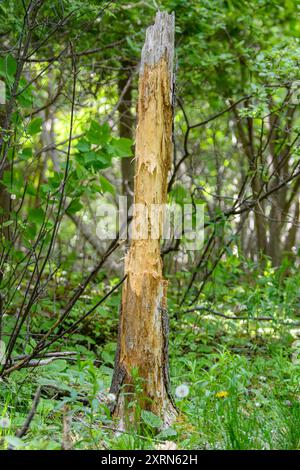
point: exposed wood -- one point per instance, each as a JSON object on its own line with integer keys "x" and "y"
{"x": 143, "y": 329}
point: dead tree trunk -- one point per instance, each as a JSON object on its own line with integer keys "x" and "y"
{"x": 143, "y": 329}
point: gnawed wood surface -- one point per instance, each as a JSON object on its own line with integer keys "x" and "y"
{"x": 143, "y": 328}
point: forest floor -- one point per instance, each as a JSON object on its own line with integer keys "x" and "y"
{"x": 236, "y": 382}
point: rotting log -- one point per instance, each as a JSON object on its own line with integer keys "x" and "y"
{"x": 143, "y": 325}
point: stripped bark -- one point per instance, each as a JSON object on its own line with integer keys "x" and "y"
{"x": 143, "y": 328}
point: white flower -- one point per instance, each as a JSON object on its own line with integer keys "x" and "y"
{"x": 4, "y": 422}
{"x": 182, "y": 391}
{"x": 13, "y": 197}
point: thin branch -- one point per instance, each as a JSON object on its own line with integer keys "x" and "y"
{"x": 24, "y": 429}
{"x": 236, "y": 318}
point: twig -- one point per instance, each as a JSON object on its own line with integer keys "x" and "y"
{"x": 21, "y": 432}
{"x": 58, "y": 355}
{"x": 44, "y": 362}
{"x": 42, "y": 345}
{"x": 232, "y": 317}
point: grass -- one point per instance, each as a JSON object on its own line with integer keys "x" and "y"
{"x": 234, "y": 402}
{"x": 242, "y": 377}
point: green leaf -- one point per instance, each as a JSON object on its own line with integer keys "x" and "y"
{"x": 55, "y": 383}
{"x": 83, "y": 145}
{"x": 97, "y": 160}
{"x": 151, "y": 419}
{"x": 178, "y": 194}
{"x": 26, "y": 153}
{"x": 166, "y": 433}
{"x": 31, "y": 189}
{"x": 34, "y": 126}
{"x": 121, "y": 147}
{"x": 30, "y": 232}
{"x": 107, "y": 357}
{"x": 74, "y": 206}
{"x": 98, "y": 134}
{"x": 106, "y": 186}
{"x": 8, "y": 67}
{"x": 36, "y": 216}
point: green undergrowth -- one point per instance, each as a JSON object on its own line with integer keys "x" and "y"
{"x": 236, "y": 382}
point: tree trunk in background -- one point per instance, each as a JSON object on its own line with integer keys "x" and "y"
{"x": 246, "y": 138}
{"x": 274, "y": 250}
{"x": 143, "y": 328}
{"x": 291, "y": 237}
{"x": 126, "y": 121}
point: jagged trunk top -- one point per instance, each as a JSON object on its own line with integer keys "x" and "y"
{"x": 159, "y": 43}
